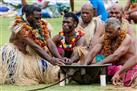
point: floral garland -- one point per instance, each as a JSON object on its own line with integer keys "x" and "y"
{"x": 69, "y": 44}
{"x": 109, "y": 46}
{"x": 39, "y": 35}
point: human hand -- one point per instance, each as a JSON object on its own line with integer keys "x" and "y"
{"x": 57, "y": 61}
{"x": 67, "y": 61}
{"x": 116, "y": 79}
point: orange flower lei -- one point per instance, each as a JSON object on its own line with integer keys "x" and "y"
{"x": 72, "y": 42}
{"x": 39, "y": 36}
{"x": 109, "y": 46}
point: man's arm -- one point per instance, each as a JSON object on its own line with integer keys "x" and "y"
{"x": 52, "y": 47}
{"x": 123, "y": 48}
{"x": 130, "y": 63}
{"x": 99, "y": 31}
{"x": 55, "y": 39}
{"x": 41, "y": 52}
{"x": 75, "y": 57}
{"x": 93, "y": 52}
{"x": 81, "y": 42}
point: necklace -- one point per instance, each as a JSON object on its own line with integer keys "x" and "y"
{"x": 68, "y": 44}
{"x": 39, "y": 35}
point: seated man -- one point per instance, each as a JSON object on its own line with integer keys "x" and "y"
{"x": 92, "y": 26}
{"x": 131, "y": 10}
{"x": 117, "y": 11}
{"x": 30, "y": 55}
{"x": 115, "y": 46}
{"x": 130, "y": 70}
{"x": 70, "y": 37}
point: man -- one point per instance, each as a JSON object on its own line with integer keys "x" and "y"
{"x": 129, "y": 68}
{"x": 99, "y": 8}
{"x": 131, "y": 10}
{"x": 117, "y": 12}
{"x": 116, "y": 46}
{"x": 70, "y": 37}
{"x": 30, "y": 55}
{"x": 112, "y": 45}
{"x": 92, "y": 26}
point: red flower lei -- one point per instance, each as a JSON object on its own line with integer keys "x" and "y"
{"x": 110, "y": 46}
{"x": 39, "y": 36}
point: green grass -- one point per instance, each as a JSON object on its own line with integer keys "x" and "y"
{"x": 95, "y": 87}
{"x": 5, "y": 29}
{"x": 6, "y": 22}
{"x": 55, "y": 88}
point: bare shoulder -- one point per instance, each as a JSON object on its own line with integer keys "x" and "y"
{"x": 101, "y": 39}
{"x": 127, "y": 40}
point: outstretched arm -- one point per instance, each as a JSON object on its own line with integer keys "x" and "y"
{"x": 93, "y": 52}
{"x": 99, "y": 31}
{"x": 130, "y": 63}
{"x": 41, "y": 52}
{"x": 52, "y": 47}
{"x": 75, "y": 57}
{"x": 123, "y": 48}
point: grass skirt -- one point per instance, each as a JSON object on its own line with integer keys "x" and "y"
{"x": 24, "y": 69}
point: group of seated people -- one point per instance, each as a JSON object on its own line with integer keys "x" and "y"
{"x": 33, "y": 57}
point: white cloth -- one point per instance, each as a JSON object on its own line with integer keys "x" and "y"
{"x": 51, "y": 2}
{"x": 14, "y": 2}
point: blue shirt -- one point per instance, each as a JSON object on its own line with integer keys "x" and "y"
{"x": 99, "y": 6}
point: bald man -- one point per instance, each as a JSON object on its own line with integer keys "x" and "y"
{"x": 92, "y": 26}
{"x": 116, "y": 47}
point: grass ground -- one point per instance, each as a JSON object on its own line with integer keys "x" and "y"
{"x": 71, "y": 87}
{"x": 56, "y": 23}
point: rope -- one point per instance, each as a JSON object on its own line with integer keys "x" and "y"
{"x": 50, "y": 85}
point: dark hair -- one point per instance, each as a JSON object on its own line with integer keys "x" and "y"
{"x": 70, "y": 14}
{"x": 29, "y": 9}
